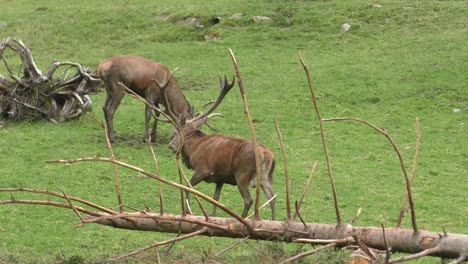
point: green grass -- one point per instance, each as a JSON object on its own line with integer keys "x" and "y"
{"x": 398, "y": 62}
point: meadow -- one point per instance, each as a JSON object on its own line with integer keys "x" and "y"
{"x": 399, "y": 61}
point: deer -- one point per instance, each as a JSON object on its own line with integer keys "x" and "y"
{"x": 223, "y": 159}
{"x": 146, "y": 78}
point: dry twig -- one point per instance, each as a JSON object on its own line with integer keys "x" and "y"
{"x": 252, "y": 133}
{"x": 324, "y": 143}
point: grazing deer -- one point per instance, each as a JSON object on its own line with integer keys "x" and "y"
{"x": 221, "y": 159}
{"x": 147, "y": 79}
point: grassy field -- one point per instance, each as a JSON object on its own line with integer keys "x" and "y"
{"x": 400, "y": 60}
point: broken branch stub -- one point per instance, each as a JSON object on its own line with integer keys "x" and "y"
{"x": 28, "y": 93}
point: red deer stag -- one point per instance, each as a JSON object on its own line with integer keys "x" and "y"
{"x": 147, "y": 79}
{"x": 221, "y": 159}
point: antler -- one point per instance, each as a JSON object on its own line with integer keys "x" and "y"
{"x": 165, "y": 82}
{"x": 225, "y": 88}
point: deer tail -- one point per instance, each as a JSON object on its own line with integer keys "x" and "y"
{"x": 267, "y": 166}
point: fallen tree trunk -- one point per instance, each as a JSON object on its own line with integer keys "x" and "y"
{"x": 445, "y": 245}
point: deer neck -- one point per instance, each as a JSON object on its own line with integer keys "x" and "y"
{"x": 176, "y": 99}
{"x": 191, "y": 140}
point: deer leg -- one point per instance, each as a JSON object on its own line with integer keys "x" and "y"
{"x": 155, "y": 123}
{"x": 113, "y": 99}
{"x": 196, "y": 179}
{"x": 244, "y": 190}
{"x": 268, "y": 190}
{"x": 148, "y": 111}
{"x": 219, "y": 187}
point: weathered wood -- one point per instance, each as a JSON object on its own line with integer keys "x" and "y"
{"x": 37, "y": 95}
{"x": 399, "y": 240}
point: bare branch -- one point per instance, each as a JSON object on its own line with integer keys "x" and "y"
{"x": 60, "y": 195}
{"x": 196, "y": 233}
{"x": 232, "y": 246}
{"x": 286, "y": 175}
{"x": 356, "y": 216}
{"x": 306, "y": 190}
{"x": 114, "y": 166}
{"x": 459, "y": 260}
{"x": 299, "y": 214}
{"x": 263, "y": 205}
{"x": 72, "y": 206}
{"x": 324, "y": 143}
{"x": 421, "y": 254}
{"x": 49, "y": 203}
{"x": 364, "y": 247}
{"x": 387, "y": 250}
{"x": 252, "y": 133}
{"x": 156, "y": 172}
{"x": 413, "y": 172}
{"x": 400, "y": 158}
{"x": 157, "y": 177}
{"x": 308, "y": 253}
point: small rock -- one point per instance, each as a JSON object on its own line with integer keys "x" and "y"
{"x": 457, "y": 110}
{"x": 377, "y": 6}
{"x": 262, "y": 19}
{"x": 209, "y": 37}
{"x": 345, "y": 27}
{"x": 193, "y": 21}
{"x": 237, "y": 16}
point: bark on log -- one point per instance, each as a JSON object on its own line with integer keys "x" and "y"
{"x": 399, "y": 240}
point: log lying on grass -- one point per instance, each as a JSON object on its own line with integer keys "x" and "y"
{"x": 421, "y": 243}
{"x": 35, "y": 94}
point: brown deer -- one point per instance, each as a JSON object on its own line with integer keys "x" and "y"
{"x": 221, "y": 159}
{"x": 147, "y": 79}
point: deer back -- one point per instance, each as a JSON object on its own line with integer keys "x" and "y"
{"x": 219, "y": 158}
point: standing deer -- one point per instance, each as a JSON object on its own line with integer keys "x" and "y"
{"x": 147, "y": 79}
{"x": 221, "y": 159}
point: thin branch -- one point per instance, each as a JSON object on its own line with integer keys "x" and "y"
{"x": 114, "y": 166}
{"x": 263, "y": 205}
{"x": 164, "y": 217}
{"x": 364, "y": 247}
{"x": 252, "y": 133}
{"x": 299, "y": 214}
{"x": 49, "y": 203}
{"x": 400, "y": 158}
{"x": 60, "y": 195}
{"x": 156, "y": 172}
{"x": 182, "y": 174}
{"x": 415, "y": 256}
{"x": 232, "y": 246}
{"x": 308, "y": 253}
{"x": 324, "y": 143}
{"x": 286, "y": 175}
{"x": 176, "y": 126}
{"x": 72, "y": 206}
{"x": 306, "y": 190}
{"x": 356, "y": 216}
{"x": 459, "y": 260}
{"x": 413, "y": 172}
{"x": 346, "y": 240}
{"x": 166, "y": 181}
{"x": 196, "y": 233}
{"x": 387, "y": 250}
